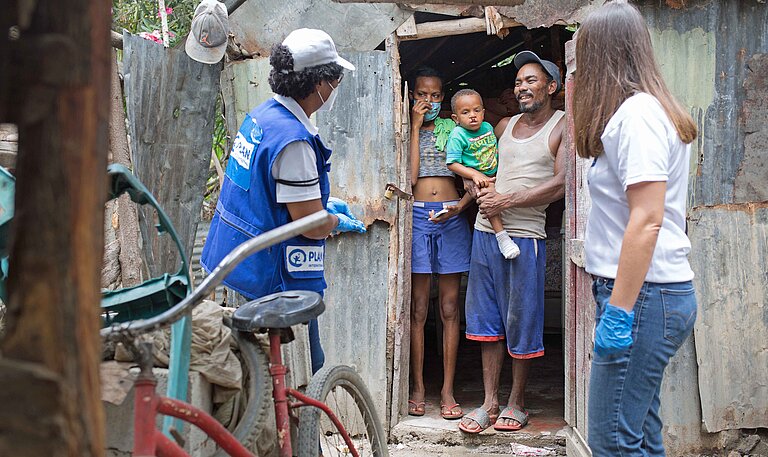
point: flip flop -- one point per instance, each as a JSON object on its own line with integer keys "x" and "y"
{"x": 448, "y": 413}
{"x": 479, "y": 416}
{"x": 416, "y": 408}
{"x": 516, "y": 415}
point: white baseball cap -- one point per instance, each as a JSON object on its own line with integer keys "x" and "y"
{"x": 312, "y": 47}
{"x": 207, "y": 39}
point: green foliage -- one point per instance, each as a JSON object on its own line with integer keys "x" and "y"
{"x": 143, "y": 16}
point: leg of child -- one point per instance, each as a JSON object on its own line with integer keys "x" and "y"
{"x": 507, "y": 247}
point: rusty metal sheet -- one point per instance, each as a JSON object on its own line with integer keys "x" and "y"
{"x": 360, "y": 130}
{"x": 752, "y": 177}
{"x": 545, "y": 13}
{"x": 740, "y": 31}
{"x": 729, "y": 254}
{"x": 260, "y": 24}
{"x": 170, "y": 102}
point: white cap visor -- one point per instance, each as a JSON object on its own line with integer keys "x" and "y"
{"x": 204, "y": 54}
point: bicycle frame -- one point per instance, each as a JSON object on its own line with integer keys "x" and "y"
{"x": 148, "y": 441}
{"x": 280, "y": 393}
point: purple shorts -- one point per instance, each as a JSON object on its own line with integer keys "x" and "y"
{"x": 505, "y": 298}
{"x": 439, "y": 248}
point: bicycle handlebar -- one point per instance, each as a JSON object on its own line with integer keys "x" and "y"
{"x": 133, "y": 328}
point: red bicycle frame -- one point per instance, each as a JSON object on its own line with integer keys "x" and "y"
{"x": 150, "y": 442}
{"x": 281, "y": 393}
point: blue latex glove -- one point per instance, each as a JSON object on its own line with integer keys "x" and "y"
{"x": 348, "y": 224}
{"x": 338, "y": 206}
{"x": 614, "y": 333}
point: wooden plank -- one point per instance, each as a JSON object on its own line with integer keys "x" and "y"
{"x": 454, "y": 27}
{"x": 732, "y": 324}
{"x": 399, "y": 321}
{"x": 408, "y": 28}
{"x": 51, "y": 348}
{"x": 569, "y": 268}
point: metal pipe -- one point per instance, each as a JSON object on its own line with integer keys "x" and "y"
{"x": 278, "y": 371}
{"x": 119, "y": 331}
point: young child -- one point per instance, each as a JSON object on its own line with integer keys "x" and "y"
{"x": 472, "y": 153}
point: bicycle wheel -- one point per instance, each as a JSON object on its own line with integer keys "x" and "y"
{"x": 257, "y": 390}
{"x": 342, "y": 389}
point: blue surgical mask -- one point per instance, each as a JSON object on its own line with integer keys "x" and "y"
{"x": 431, "y": 115}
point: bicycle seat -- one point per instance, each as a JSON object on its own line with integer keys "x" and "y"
{"x": 279, "y": 310}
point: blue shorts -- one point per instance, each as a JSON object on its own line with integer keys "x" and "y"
{"x": 439, "y": 248}
{"x": 505, "y": 298}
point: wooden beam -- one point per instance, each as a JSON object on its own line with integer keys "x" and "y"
{"x": 453, "y": 27}
{"x": 61, "y": 79}
{"x": 407, "y": 28}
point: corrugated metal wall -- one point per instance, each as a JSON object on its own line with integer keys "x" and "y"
{"x": 713, "y": 57}
{"x": 360, "y": 130}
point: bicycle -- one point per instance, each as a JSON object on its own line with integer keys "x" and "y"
{"x": 338, "y": 432}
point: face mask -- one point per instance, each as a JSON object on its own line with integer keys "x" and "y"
{"x": 328, "y": 104}
{"x": 431, "y": 115}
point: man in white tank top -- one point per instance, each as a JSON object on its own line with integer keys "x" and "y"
{"x": 505, "y": 298}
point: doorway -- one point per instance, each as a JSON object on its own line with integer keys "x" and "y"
{"x": 484, "y": 63}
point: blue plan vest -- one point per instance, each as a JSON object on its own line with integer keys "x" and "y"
{"x": 248, "y": 207}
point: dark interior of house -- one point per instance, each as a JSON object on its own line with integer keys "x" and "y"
{"x": 484, "y": 63}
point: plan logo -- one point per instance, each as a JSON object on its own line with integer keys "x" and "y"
{"x": 304, "y": 258}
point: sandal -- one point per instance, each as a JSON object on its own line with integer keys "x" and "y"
{"x": 479, "y": 416}
{"x": 449, "y": 412}
{"x": 517, "y": 415}
{"x": 416, "y": 408}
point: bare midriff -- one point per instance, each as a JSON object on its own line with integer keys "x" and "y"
{"x": 435, "y": 189}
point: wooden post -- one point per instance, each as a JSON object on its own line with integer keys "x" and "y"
{"x": 59, "y": 77}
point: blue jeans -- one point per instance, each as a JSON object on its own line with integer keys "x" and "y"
{"x": 624, "y": 387}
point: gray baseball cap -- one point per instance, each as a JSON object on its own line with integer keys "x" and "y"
{"x": 525, "y": 57}
{"x": 207, "y": 39}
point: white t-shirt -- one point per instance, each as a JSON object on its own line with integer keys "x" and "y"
{"x": 296, "y": 165}
{"x": 641, "y": 145}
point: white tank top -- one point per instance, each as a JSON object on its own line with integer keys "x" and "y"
{"x": 523, "y": 164}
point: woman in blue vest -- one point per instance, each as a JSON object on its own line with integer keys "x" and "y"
{"x": 278, "y": 172}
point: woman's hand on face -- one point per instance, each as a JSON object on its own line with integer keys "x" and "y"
{"x": 491, "y": 203}
{"x": 420, "y": 107}
{"x": 450, "y": 211}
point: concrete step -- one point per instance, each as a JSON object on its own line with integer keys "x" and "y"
{"x": 417, "y": 432}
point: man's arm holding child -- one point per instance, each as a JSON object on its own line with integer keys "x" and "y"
{"x": 492, "y": 203}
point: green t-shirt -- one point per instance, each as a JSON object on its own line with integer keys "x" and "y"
{"x": 476, "y": 150}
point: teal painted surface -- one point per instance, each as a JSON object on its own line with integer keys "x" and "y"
{"x": 717, "y": 380}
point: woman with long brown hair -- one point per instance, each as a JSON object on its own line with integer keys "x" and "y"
{"x": 639, "y": 138}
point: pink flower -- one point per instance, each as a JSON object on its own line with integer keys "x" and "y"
{"x": 154, "y": 36}
{"x": 168, "y": 10}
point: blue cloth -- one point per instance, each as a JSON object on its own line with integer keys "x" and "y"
{"x": 248, "y": 207}
{"x": 442, "y": 248}
{"x": 624, "y": 386}
{"x": 505, "y": 298}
